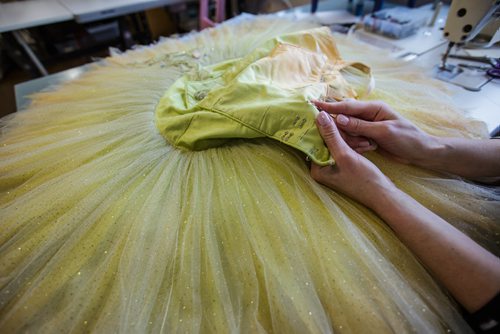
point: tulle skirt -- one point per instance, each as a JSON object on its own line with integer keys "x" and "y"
{"x": 105, "y": 227}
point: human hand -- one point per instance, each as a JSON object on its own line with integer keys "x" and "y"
{"x": 353, "y": 174}
{"x": 394, "y": 135}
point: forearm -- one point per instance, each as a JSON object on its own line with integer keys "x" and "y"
{"x": 469, "y": 272}
{"x": 465, "y": 157}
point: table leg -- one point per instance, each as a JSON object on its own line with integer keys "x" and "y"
{"x": 30, "y": 53}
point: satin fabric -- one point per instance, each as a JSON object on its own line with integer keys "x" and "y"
{"x": 265, "y": 94}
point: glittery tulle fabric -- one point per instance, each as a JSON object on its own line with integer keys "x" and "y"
{"x": 104, "y": 227}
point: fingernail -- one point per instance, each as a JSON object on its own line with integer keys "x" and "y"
{"x": 323, "y": 118}
{"x": 342, "y": 120}
{"x": 365, "y": 143}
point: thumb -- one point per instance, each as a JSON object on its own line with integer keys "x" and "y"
{"x": 357, "y": 126}
{"x": 331, "y": 134}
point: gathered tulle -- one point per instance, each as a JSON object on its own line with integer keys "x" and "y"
{"x": 105, "y": 227}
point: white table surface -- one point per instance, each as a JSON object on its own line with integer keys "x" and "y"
{"x": 483, "y": 105}
{"x": 31, "y": 13}
{"x": 92, "y": 10}
{"x": 24, "y": 90}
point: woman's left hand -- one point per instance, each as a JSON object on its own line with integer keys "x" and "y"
{"x": 352, "y": 174}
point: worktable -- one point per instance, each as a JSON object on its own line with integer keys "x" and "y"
{"x": 483, "y": 105}
{"x": 28, "y": 14}
{"x": 85, "y": 11}
{"x": 33, "y": 13}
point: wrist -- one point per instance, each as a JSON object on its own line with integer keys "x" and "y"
{"x": 433, "y": 153}
{"x": 395, "y": 206}
{"x": 385, "y": 196}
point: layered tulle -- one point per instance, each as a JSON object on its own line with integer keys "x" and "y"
{"x": 105, "y": 227}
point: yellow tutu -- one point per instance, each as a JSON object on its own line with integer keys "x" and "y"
{"x": 105, "y": 227}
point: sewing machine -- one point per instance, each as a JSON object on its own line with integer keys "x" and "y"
{"x": 466, "y": 21}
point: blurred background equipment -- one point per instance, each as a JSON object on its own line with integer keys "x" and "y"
{"x": 475, "y": 26}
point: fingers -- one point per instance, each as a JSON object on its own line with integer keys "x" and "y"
{"x": 331, "y": 134}
{"x": 362, "y": 150}
{"x": 358, "y": 127}
{"x": 360, "y": 144}
{"x": 324, "y": 175}
{"x": 367, "y": 110}
{"x": 317, "y": 172}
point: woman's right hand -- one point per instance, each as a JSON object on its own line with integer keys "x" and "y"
{"x": 394, "y": 135}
